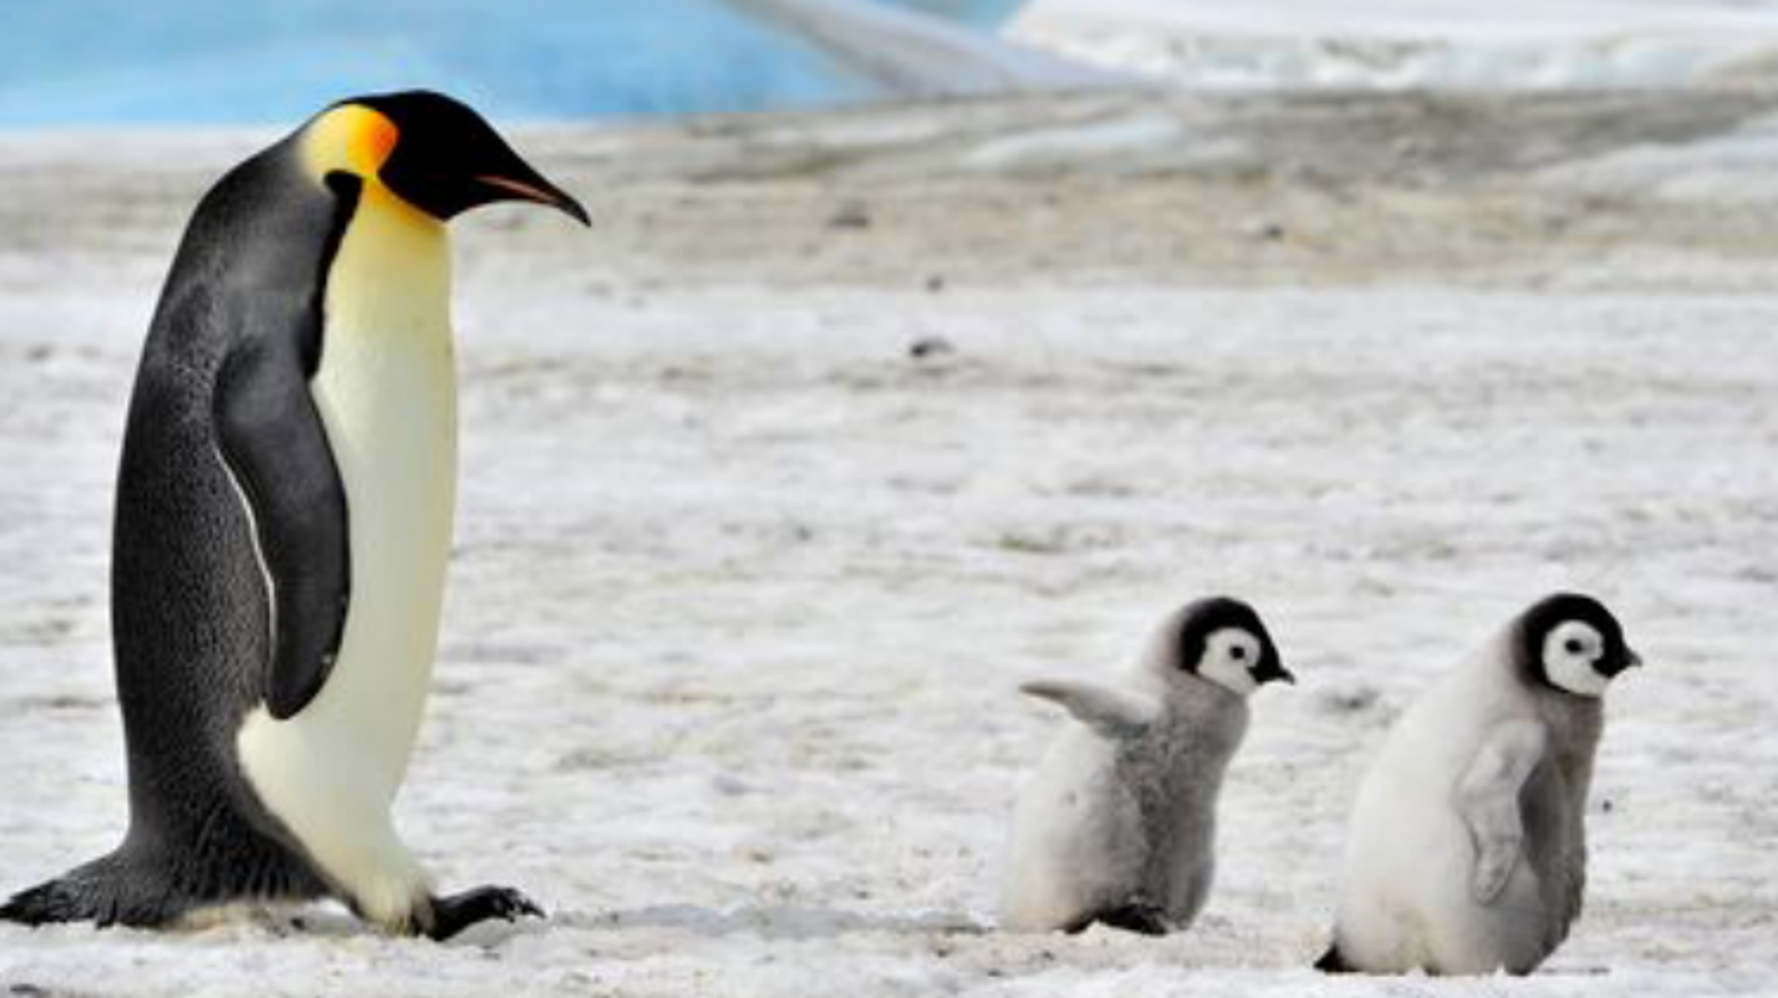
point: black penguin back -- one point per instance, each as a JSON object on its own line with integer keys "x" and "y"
{"x": 189, "y": 599}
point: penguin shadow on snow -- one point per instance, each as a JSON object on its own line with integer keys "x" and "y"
{"x": 333, "y": 924}
{"x": 779, "y": 922}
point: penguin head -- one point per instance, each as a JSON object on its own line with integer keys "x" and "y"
{"x": 1222, "y": 640}
{"x": 428, "y": 149}
{"x": 1572, "y": 643}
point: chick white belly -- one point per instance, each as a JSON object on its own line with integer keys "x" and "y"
{"x": 387, "y": 397}
{"x": 1408, "y": 899}
{"x": 1076, "y": 841}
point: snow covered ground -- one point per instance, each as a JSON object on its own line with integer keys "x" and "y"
{"x": 742, "y": 590}
{"x": 1415, "y": 43}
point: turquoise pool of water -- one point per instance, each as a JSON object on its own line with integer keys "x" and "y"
{"x": 136, "y": 62}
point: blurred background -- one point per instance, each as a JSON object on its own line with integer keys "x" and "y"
{"x": 110, "y": 62}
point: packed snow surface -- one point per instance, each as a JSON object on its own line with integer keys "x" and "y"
{"x": 742, "y": 590}
{"x": 1409, "y": 43}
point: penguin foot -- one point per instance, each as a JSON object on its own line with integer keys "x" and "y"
{"x": 1332, "y": 962}
{"x": 1138, "y": 917}
{"x": 451, "y": 915}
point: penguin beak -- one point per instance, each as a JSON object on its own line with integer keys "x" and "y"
{"x": 1632, "y": 658}
{"x": 535, "y": 189}
{"x": 1270, "y": 670}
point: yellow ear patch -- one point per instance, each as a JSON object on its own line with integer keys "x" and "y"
{"x": 351, "y": 138}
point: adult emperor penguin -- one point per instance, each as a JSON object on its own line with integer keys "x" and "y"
{"x": 1467, "y": 849}
{"x": 283, "y": 521}
{"x": 1118, "y": 823}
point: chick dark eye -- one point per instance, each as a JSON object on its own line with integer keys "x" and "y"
{"x": 1573, "y": 646}
{"x": 1238, "y": 653}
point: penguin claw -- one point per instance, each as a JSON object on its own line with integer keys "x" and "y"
{"x": 515, "y": 905}
{"x": 451, "y": 915}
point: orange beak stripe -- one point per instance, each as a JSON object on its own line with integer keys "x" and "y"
{"x": 523, "y": 190}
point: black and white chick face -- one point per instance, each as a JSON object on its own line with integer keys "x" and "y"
{"x": 1222, "y": 640}
{"x": 1573, "y": 643}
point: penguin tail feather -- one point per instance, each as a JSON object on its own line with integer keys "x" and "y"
{"x": 44, "y": 904}
{"x": 1332, "y": 962}
{"x": 100, "y": 892}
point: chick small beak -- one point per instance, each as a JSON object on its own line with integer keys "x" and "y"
{"x": 1272, "y": 670}
{"x": 539, "y": 191}
{"x": 1632, "y": 658}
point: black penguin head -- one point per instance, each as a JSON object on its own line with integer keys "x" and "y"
{"x": 1572, "y": 643}
{"x": 431, "y": 151}
{"x": 1224, "y": 641}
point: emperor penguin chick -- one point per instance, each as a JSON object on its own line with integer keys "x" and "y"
{"x": 1118, "y": 824}
{"x": 283, "y": 527}
{"x": 1467, "y": 848}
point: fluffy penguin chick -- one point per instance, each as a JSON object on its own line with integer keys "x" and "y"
{"x": 1467, "y": 849}
{"x": 1118, "y": 824}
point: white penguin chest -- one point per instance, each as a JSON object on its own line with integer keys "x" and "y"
{"x": 386, "y": 393}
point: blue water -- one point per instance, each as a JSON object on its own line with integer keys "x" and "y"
{"x": 981, "y": 13}
{"x": 83, "y": 62}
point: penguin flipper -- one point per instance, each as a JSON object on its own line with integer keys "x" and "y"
{"x": 273, "y": 441}
{"x": 1113, "y": 714}
{"x": 1488, "y": 800}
